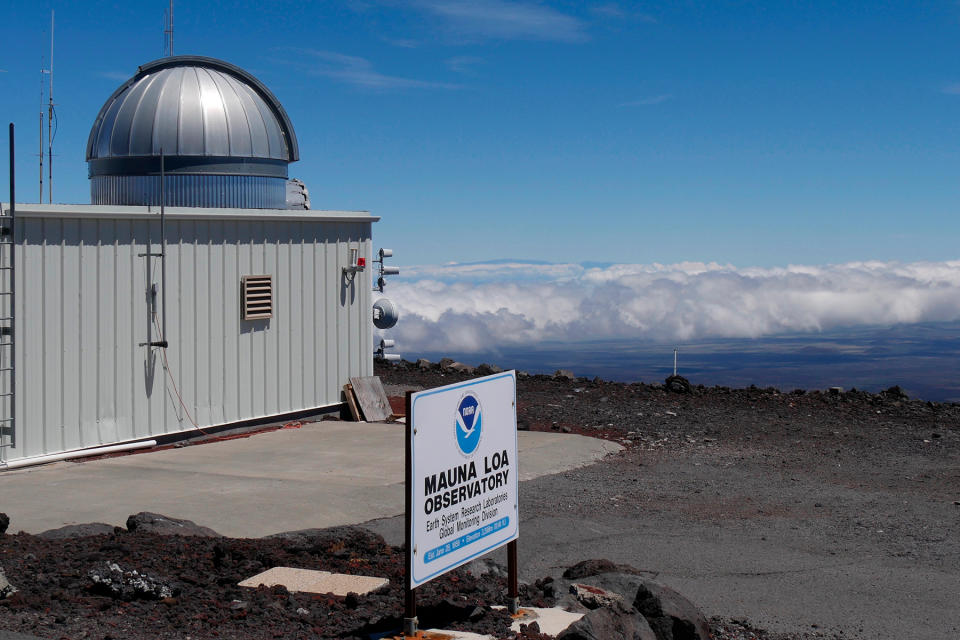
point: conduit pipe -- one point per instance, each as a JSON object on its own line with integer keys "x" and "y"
{"x": 80, "y": 453}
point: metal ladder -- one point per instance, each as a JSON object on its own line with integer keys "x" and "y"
{"x": 8, "y": 439}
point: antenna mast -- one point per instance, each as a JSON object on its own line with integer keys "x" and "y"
{"x": 42, "y": 72}
{"x": 50, "y": 120}
{"x": 168, "y": 32}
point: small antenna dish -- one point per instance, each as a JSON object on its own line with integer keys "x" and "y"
{"x": 385, "y": 314}
{"x": 384, "y": 270}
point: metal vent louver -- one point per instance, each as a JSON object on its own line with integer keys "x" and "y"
{"x": 256, "y": 297}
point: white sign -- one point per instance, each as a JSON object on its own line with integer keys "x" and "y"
{"x": 463, "y": 457}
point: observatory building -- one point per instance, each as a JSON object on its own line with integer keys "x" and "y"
{"x": 197, "y": 290}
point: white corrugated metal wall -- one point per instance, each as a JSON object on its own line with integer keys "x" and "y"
{"x": 82, "y": 310}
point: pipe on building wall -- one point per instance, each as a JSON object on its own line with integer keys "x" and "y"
{"x": 80, "y": 453}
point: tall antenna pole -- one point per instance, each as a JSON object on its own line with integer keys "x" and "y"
{"x": 42, "y": 72}
{"x": 163, "y": 244}
{"x": 168, "y": 31}
{"x": 41, "y": 153}
{"x": 50, "y": 121}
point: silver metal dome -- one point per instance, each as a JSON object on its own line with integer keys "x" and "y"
{"x": 225, "y": 139}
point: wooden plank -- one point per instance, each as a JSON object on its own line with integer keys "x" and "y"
{"x": 351, "y": 402}
{"x": 372, "y": 398}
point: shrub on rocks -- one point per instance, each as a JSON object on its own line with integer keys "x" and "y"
{"x": 110, "y": 580}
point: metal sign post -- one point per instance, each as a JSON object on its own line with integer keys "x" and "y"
{"x": 461, "y": 472}
{"x": 410, "y": 604}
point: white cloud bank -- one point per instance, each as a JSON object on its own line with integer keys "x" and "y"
{"x": 485, "y": 306}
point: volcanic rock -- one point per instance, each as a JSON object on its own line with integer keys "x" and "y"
{"x": 594, "y": 597}
{"x": 325, "y": 540}
{"x": 459, "y": 367}
{"x": 615, "y": 622}
{"x": 78, "y": 531}
{"x": 894, "y": 393}
{"x": 486, "y": 566}
{"x": 677, "y": 384}
{"x": 671, "y": 616}
{"x": 488, "y": 369}
{"x": 146, "y": 522}
{"x": 6, "y": 589}
{"x": 4, "y": 523}
{"x": 586, "y": 568}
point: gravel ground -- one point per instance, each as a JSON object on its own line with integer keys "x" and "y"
{"x": 834, "y": 476}
{"x": 809, "y": 514}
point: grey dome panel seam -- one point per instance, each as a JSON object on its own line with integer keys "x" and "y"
{"x": 226, "y": 110}
{"x": 197, "y": 71}
{"x": 227, "y": 84}
{"x": 251, "y": 100}
{"x": 141, "y": 116}
{"x": 155, "y": 131}
{"x": 172, "y": 136}
{"x": 149, "y": 82}
{"x": 274, "y": 132}
{"x": 179, "y": 97}
{"x": 126, "y": 115}
{"x": 111, "y": 115}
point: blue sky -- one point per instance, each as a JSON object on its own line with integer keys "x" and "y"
{"x": 750, "y": 134}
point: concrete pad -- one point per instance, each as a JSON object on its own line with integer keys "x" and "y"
{"x": 433, "y": 634}
{"x": 321, "y": 475}
{"x": 544, "y": 454}
{"x": 551, "y": 621}
{"x": 312, "y": 581}
{"x": 443, "y": 634}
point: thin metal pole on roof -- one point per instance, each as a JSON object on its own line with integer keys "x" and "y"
{"x": 50, "y": 121}
{"x": 42, "y": 73}
{"x": 168, "y": 31}
{"x": 13, "y": 297}
{"x": 163, "y": 243}
{"x": 41, "y": 144}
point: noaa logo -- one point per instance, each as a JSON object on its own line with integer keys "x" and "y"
{"x": 469, "y": 423}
